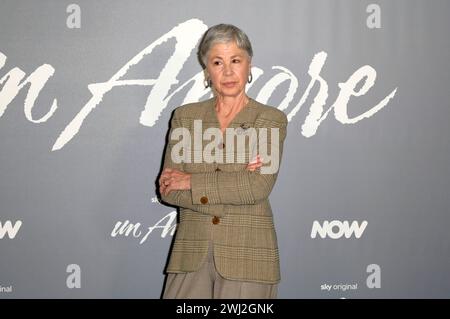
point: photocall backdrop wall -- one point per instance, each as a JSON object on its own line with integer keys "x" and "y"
{"x": 361, "y": 204}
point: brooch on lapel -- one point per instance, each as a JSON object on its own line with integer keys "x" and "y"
{"x": 243, "y": 128}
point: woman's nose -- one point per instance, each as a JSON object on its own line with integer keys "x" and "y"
{"x": 227, "y": 69}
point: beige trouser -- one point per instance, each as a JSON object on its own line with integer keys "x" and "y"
{"x": 206, "y": 283}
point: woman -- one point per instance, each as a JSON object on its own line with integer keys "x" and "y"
{"x": 225, "y": 245}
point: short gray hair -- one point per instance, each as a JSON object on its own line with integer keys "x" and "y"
{"x": 222, "y": 33}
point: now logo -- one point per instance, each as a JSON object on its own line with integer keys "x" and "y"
{"x": 8, "y": 228}
{"x": 336, "y": 229}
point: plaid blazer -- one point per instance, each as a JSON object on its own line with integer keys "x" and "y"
{"x": 227, "y": 204}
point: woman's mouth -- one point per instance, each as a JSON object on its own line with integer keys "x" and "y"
{"x": 229, "y": 84}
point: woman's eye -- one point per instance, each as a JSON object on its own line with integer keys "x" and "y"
{"x": 236, "y": 61}
{"x": 216, "y": 62}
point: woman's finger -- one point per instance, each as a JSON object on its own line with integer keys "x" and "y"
{"x": 162, "y": 179}
{"x": 255, "y": 164}
{"x": 252, "y": 168}
{"x": 168, "y": 189}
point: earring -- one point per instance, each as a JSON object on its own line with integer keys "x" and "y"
{"x": 250, "y": 78}
{"x": 207, "y": 83}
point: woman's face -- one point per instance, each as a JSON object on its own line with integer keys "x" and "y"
{"x": 228, "y": 67}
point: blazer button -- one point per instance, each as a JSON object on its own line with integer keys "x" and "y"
{"x": 215, "y": 220}
{"x": 204, "y": 200}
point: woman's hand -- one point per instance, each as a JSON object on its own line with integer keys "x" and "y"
{"x": 172, "y": 179}
{"x": 255, "y": 164}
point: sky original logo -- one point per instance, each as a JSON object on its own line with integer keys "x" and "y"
{"x": 336, "y": 229}
{"x": 6, "y": 289}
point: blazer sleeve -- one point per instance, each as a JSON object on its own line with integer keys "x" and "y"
{"x": 241, "y": 187}
{"x": 183, "y": 198}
